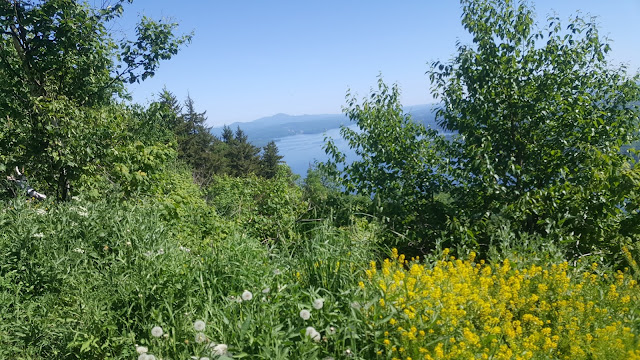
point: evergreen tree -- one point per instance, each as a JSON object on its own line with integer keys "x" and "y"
{"x": 270, "y": 160}
{"x": 171, "y": 108}
{"x": 195, "y": 143}
{"x": 242, "y": 155}
{"x": 227, "y": 135}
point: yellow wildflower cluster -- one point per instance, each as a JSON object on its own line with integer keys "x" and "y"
{"x": 457, "y": 309}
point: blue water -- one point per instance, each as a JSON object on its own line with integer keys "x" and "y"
{"x": 300, "y": 151}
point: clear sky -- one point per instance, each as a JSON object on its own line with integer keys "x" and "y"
{"x": 256, "y": 58}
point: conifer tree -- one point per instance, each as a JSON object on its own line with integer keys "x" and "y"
{"x": 270, "y": 160}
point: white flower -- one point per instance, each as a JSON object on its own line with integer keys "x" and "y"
{"x": 128, "y": 243}
{"x": 313, "y": 334}
{"x": 141, "y": 349}
{"x": 85, "y": 214}
{"x": 305, "y": 314}
{"x": 38, "y": 235}
{"x": 185, "y": 249}
{"x": 200, "y": 338}
{"x": 160, "y": 251}
{"x": 318, "y": 304}
{"x": 199, "y": 325}
{"x": 220, "y": 349}
{"x": 78, "y": 250}
{"x": 156, "y": 331}
{"x": 332, "y": 330}
{"x": 41, "y": 211}
{"x": 247, "y": 295}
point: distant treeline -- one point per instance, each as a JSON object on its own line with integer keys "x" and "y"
{"x": 208, "y": 155}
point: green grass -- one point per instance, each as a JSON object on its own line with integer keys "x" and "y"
{"x": 89, "y": 280}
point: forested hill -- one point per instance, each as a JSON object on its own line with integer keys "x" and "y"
{"x": 265, "y": 129}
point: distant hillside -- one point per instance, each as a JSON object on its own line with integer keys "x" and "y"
{"x": 263, "y": 130}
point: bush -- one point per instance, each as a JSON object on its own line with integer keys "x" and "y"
{"x": 266, "y": 208}
{"x": 455, "y": 308}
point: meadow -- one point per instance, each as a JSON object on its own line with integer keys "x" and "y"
{"x": 107, "y": 279}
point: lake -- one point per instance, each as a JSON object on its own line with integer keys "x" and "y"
{"x": 300, "y": 151}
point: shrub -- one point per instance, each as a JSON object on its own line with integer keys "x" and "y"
{"x": 457, "y": 308}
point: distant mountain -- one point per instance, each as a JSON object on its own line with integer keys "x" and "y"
{"x": 265, "y": 129}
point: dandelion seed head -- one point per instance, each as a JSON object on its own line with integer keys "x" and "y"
{"x": 313, "y": 333}
{"x": 220, "y": 349}
{"x": 318, "y": 304}
{"x": 305, "y": 314}
{"x": 156, "y": 331}
{"x": 266, "y": 290}
{"x": 200, "y": 338}
{"x": 141, "y": 349}
{"x": 199, "y": 325}
{"x": 247, "y": 295}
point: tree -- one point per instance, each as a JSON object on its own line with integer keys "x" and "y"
{"x": 59, "y": 70}
{"x": 270, "y": 160}
{"x": 540, "y": 116}
{"x": 196, "y": 143}
{"x": 398, "y": 164}
{"x": 242, "y": 155}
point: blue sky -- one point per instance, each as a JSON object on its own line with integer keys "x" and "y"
{"x": 251, "y": 59}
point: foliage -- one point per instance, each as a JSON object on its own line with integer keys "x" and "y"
{"x": 270, "y": 160}
{"x": 327, "y": 201}
{"x": 540, "y": 117}
{"x": 266, "y": 208}
{"x": 399, "y": 164}
{"x": 453, "y": 308}
{"x": 133, "y": 269}
{"x": 60, "y": 69}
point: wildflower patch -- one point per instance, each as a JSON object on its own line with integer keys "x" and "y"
{"x": 458, "y": 309}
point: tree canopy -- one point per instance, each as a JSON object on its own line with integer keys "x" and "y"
{"x": 539, "y": 117}
{"x": 60, "y": 70}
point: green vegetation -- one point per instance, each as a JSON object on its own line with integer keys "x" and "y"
{"x": 161, "y": 241}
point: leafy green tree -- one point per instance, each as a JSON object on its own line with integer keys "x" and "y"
{"x": 270, "y": 160}
{"x": 398, "y": 164}
{"x": 59, "y": 69}
{"x": 541, "y": 116}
